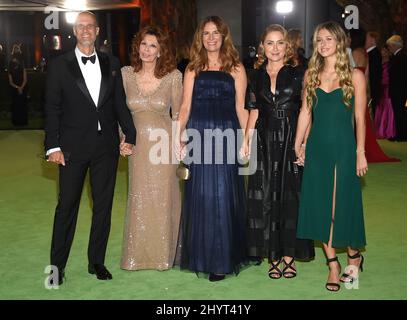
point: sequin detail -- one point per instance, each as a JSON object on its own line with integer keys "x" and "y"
{"x": 154, "y": 199}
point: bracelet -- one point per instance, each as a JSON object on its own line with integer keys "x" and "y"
{"x": 360, "y": 151}
{"x": 303, "y": 145}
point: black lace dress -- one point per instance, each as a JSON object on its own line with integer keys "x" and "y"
{"x": 274, "y": 189}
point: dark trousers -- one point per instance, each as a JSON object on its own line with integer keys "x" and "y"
{"x": 19, "y": 110}
{"x": 102, "y": 165}
{"x": 400, "y": 117}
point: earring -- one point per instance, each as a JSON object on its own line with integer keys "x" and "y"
{"x": 158, "y": 56}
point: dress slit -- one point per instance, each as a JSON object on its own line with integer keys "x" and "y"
{"x": 333, "y": 211}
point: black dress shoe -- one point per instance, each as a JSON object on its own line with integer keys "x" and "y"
{"x": 216, "y": 277}
{"x": 100, "y": 270}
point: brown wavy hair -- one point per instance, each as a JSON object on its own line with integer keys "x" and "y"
{"x": 342, "y": 66}
{"x": 261, "y": 54}
{"x": 166, "y": 61}
{"x": 228, "y": 54}
{"x": 292, "y": 37}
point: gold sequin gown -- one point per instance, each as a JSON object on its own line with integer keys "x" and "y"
{"x": 154, "y": 198}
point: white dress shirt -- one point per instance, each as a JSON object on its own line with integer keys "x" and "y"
{"x": 93, "y": 76}
{"x": 370, "y": 49}
{"x": 91, "y": 73}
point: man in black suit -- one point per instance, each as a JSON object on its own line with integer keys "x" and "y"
{"x": 375, "y": 68}
{"x": 85, "y": 101}
{"x": 397, "y": 86}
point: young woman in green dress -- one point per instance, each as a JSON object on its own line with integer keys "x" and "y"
{"x": 334, "y": 101}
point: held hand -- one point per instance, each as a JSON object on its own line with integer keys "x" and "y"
{"x": 122, "y": 140}
{"x": 300, "y": 153}
{"x": 179, "y": 150}
{"x": 361, "y": 164}
{"x": 244, "y": 151}
{"x": 126, "y": 149}
{"x": 179, "y": 144}
{"x": 20, "y": 90}
{"x": 57, "y": 157}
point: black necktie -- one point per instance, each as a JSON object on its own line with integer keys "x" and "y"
{"x": 91, "y": 59}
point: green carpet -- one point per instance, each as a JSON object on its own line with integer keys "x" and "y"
{"x": 27, "y": 202}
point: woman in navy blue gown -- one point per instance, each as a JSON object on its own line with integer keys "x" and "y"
{"x": 213, "y": 214}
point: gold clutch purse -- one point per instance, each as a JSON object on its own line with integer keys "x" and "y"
{"x": 183, "y": 172}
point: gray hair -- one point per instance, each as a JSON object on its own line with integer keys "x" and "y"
{"x": 89, "y": 13}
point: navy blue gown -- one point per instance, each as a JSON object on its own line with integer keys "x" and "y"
{"x": 213, "y": 213}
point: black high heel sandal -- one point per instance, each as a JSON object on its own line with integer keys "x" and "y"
{"x": 348, "y": 276}
{"x": 289, "y": 265}
{"x": 336, "y": 286}
{"x": 275, "y": 271}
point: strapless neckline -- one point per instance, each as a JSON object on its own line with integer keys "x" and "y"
{"x": 329, "y": 91}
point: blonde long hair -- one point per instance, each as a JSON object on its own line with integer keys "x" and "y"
{"x": 342, "y": 65}
{"x": 228, "y": 54}
{"x": 261, "y": 54}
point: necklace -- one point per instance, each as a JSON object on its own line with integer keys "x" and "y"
{"x": 213, "y": 64}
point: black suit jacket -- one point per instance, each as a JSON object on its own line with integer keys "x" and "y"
{"x": 71, "y": 116}
{"x": 398, "y": 76}
{"x": 375, "y": 75}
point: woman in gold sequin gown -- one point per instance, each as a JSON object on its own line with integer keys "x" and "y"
{"x": 153, "y": 87}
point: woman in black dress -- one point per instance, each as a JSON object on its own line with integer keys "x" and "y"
{"x": 17, "y": 77}
{"x": 274, "y": 100}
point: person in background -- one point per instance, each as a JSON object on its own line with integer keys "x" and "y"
{"x": 375, "y": 68}
{"x": 349, "y": 50}
{"x": 374, "y": 152}
{"x": 182, "y": 58}
{"x": 2, "y": 59}
{"x": 357, "y": 44}
{"x": 17, "y": 77}
{"x": 384, "y": 115}
{"x": 397, "y": 85}
{"x": 297, "y": 44}
{"x": 251, "y": 59}
{"x": 106, "y": 48}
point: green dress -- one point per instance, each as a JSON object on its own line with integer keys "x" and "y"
{"x": 331, "y": 144}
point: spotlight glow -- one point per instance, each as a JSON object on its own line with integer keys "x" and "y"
{"x": 71, "y": 17}
{"x": 75, "y": 5}
{"x": 283, "y": 7}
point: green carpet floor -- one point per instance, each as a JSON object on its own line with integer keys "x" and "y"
{"x": 27, "y": 202}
